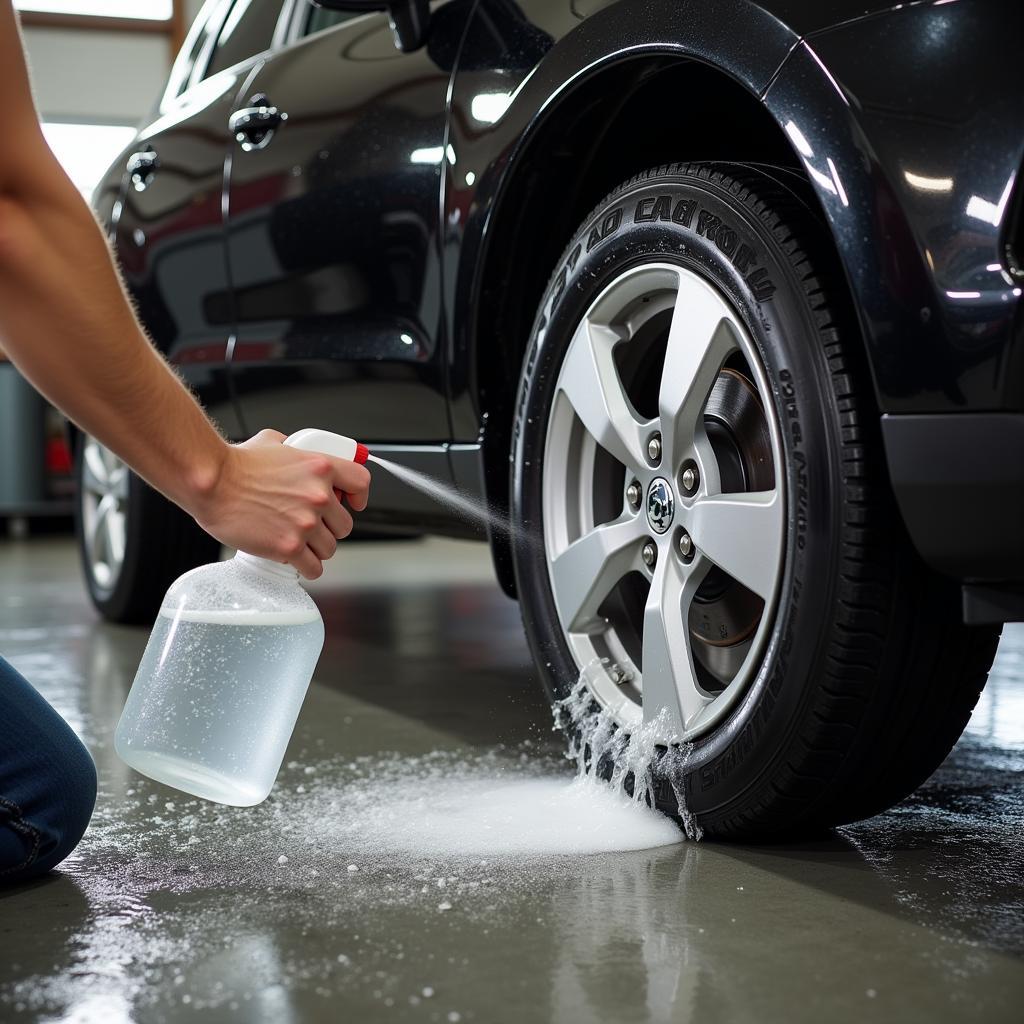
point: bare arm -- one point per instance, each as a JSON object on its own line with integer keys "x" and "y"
{"x": 66, "y": 323}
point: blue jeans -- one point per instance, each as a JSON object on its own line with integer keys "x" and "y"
{"x": 47, "y": 782}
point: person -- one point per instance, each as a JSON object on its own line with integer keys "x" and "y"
{"x": 67, "y": 325}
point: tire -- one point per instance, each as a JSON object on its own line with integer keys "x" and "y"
{"x": 815, "y": 671}
{"x": 133, "y": 550}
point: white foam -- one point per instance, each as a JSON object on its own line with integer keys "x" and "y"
{"x": 604, "y": 749}
{"x": 502, "y": 816}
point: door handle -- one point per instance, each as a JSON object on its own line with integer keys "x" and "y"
{"x": 253, "y": 126}
{"x": 141, "y": 167}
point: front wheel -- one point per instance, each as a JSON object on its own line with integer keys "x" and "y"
{"x": 722, "y": 563}
{"x": 133, "y": 542}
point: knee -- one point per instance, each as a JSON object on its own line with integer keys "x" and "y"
{"x": 51, "y": 823}
{"x": 47, "y": 782}
{"x": 77, "y": 796}
{"x": 73, "y": 795}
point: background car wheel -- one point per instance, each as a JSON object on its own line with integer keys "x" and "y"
{"x": 697, "y": 445}
{"x": 133, "y": 542}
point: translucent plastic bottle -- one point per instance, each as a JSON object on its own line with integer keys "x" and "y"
{"x": 226, "y": 669}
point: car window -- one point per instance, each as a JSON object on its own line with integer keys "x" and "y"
{"x": 184, "y": 62}
{"x": 248, "y": 29}
{"x": 320, "y": 18}
{"x": 192, "y": 51}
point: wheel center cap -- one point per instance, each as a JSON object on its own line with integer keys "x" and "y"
{"x": 660, "y": 505}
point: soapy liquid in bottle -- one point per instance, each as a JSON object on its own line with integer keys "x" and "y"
{"x": 214, "y": 715}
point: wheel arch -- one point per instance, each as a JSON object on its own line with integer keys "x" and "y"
{"x": 569, "y": 160}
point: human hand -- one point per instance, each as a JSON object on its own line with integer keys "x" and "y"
{"x": 282, "y": 503}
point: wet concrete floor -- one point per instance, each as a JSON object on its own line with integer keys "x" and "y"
{"x": 317, "y": 906}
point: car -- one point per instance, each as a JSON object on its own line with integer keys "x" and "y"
{"x": 718, "y": 302}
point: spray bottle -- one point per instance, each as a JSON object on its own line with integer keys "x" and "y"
{"x": 225, "y": 671}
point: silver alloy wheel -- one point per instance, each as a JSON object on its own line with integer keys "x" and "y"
{"x": 675, "y": 639}
{"x": 104, "y": 498}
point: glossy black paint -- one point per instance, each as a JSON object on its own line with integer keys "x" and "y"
{"x": 168, "y": 237}
{"x": 912, "y": 137}
{"x": 376, "y": 266}
{"x": 987, "y": 449}
{"x": 332, "y": 240}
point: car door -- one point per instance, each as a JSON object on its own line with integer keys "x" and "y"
{"x": 333, "y": 209}
{"x": 169, "y": 229}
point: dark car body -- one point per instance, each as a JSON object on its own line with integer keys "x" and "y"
{"x": 373, "y": 263}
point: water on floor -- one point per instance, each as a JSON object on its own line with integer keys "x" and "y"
{"x": 398, "y": 873}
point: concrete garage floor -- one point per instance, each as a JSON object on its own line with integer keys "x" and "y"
{"x": 174, "y": 910}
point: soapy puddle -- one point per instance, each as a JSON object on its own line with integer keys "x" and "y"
{"x": 366, "y": 857}
{"x": 341, "y": 882}
{"x": 476, "y": 812}
{"x": 394, "y": 812}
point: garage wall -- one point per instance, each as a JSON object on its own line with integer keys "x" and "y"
{"x": 98, "y": 77}
{"x": 92, "y": 87}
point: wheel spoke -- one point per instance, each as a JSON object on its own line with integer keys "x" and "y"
{"x": 591, "y": 382}
{"x": 669, "y": 681}
{"x": 119, "y": 481}
{"x": 115, "y": 538}
{"x": 586, "y": 571}
{"x": 704, "y": 453}
{"x": 117, "y": 474}
{"x": 94, "y": 469}
{"x": 742, "y": 535}
{"x": 97, "y": 532}
{"x": 701, "y": 337}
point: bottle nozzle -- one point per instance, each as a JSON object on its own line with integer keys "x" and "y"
{"x": 362, "y": 454}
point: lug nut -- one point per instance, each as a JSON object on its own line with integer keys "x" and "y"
{"x": 650, "y": 554}
{"x": 633, "y": 495}
{"x": 689, "y": 479}
{"x": 685, "y": 544}
{"x": 654, "y": 448}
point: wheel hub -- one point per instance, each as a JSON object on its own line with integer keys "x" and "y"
{"x": 661, "y": 505}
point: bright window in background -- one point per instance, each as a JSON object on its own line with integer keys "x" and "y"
{"x": 86, "y": 150}
{"x": 155, "y": 10}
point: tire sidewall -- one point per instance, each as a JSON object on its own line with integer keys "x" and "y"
{"x": 774, "y": 306}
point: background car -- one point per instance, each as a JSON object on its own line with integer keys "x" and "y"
{"x": 724, "y": 314}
